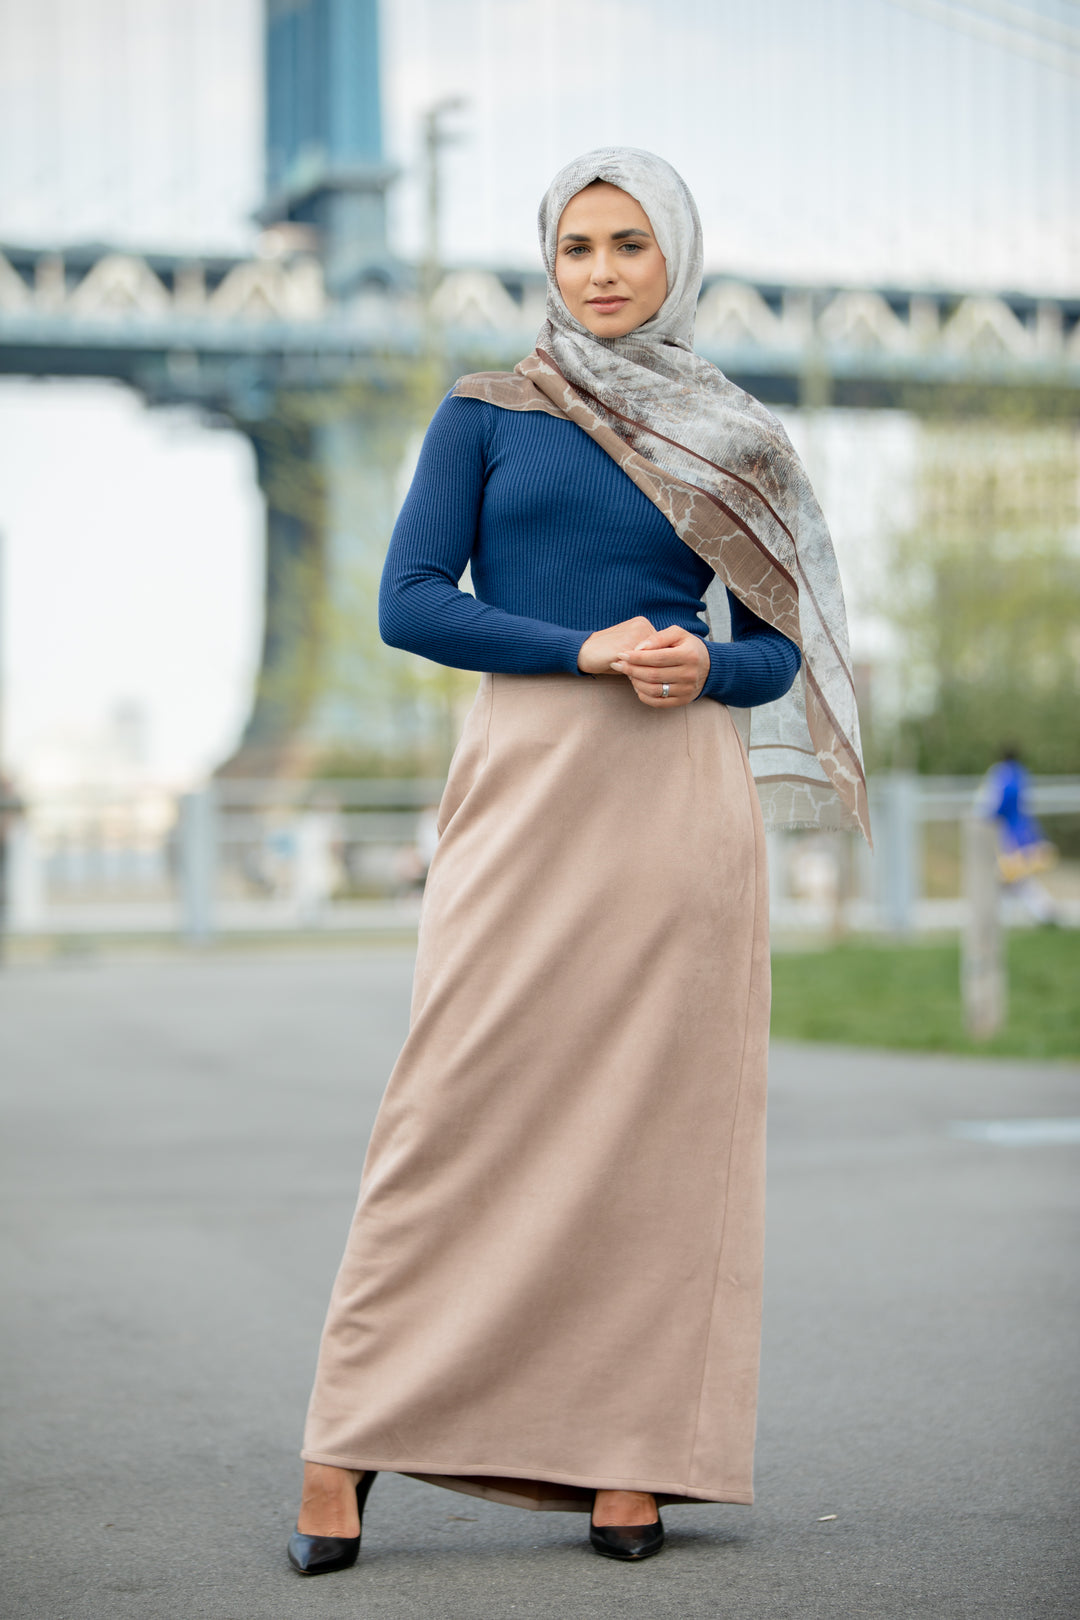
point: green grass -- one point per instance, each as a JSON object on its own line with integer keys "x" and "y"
{"x": 908, "y": 997}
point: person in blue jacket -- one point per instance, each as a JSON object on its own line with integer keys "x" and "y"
{"x": 1023, "y": 848}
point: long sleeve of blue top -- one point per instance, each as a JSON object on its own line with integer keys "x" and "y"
{"x": 559, "y": 543}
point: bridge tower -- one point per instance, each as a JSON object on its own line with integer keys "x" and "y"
{"x": 324, "y": 152}
{"x": 326, "y": 456}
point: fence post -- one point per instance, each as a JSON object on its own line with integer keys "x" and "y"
{"x": 25, "y": 888}
{"x": 198, "y": 864}
{"x": 982, "y": 969}
{"x": 5, "y": 872}
{"x": 899, "y": 849}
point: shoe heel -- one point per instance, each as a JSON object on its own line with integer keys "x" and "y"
{"x": 322, "y": 1555}
{"x": 363, "y": 1486}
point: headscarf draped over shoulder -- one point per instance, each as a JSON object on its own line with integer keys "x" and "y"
{"x": 721, "y": 469}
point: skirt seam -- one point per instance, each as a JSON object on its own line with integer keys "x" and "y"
{"x": 490, "y": 717}
{"x": 731, "y": 1150}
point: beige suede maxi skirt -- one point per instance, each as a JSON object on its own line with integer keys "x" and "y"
{"x": 553, "y": 1278}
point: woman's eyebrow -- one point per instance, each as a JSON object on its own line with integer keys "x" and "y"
{"x": 616, "y": 236}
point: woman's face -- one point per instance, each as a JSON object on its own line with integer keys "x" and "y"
{"x": 610, "y": 270}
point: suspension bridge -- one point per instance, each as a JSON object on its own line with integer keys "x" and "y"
{"x": 327, "y": 312}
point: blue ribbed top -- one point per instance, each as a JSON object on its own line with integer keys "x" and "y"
{"x": 560, "y": 543}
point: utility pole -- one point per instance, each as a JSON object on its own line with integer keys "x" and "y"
{"x": 435, "y": 138}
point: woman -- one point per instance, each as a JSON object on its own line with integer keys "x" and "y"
{"x": 551, "y": 1292}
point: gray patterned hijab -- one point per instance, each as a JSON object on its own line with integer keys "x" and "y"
{"x": 723, "y": 472}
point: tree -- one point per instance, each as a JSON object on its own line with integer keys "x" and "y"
{"x": 984, "y": 595}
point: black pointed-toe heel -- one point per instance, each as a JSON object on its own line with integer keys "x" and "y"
{"x": 630, "y": 1542}
{"x": 321, "y": 1555}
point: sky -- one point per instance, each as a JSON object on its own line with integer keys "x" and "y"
{"x": 915, "y": 141}
{"x": 855, "y": 139}
{"x": 133, "y": 553}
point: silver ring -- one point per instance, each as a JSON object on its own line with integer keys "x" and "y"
{"x": 665, "y": 689}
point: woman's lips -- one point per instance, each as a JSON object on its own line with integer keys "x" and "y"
{"x": 603, "y": 304}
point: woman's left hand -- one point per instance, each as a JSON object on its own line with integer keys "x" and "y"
{"x": 673, "y": 656}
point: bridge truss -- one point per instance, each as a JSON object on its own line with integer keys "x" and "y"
{"x": 330, "y": 389}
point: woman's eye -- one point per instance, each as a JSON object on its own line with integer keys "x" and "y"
{"x": 631, "y": 247}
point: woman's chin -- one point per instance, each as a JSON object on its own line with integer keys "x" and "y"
{"x": 610, "y": 326}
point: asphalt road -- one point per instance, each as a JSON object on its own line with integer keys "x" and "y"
{"x": 183, "y": 1141}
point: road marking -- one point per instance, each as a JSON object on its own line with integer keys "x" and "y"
{"x": 1017, "y": 1132}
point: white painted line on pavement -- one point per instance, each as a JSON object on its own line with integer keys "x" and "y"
{"x": 1017, "y": 1132}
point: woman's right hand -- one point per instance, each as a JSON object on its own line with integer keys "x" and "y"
{"x": 605, "y": 647}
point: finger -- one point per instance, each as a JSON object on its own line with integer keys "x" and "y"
{"x": 632, "y": 652}
{"x": 663, "y": 638}
{"x": 676, "y": 691}
{"x": 657, "y": 679}
{"x": 659, "y": 658}
{"x": 675, "y": 701}
{"x": 653, "y": 679}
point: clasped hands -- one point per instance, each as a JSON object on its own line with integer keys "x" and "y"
{"x": 649, "y": 659}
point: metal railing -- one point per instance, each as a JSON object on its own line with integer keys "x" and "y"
{"x": 240, "y": 857}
